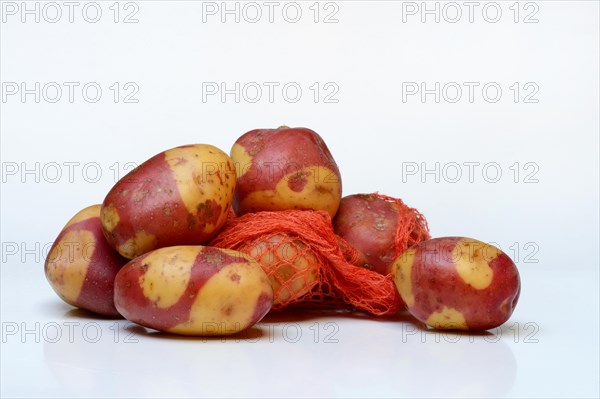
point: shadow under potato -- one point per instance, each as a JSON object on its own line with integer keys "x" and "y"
{"x": 78, "y": 313}
{"x": 303, "y": 314}
{"x": 283, "y": 316}
{"x": 252, "y": 333}
{"x": 403, "y": 316}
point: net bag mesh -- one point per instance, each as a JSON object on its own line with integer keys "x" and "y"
{"x": 411, "y": 228}
{"x": 307, "y": 263}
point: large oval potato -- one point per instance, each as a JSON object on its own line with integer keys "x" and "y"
{"x": 81, "y": 266}
{"x": 193, "y": 290}
{"x": 457, "y": 283}
{"x": 285, "y": 168}
{"x": 178, "y": 197}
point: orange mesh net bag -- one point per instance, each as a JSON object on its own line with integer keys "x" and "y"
{"x": 307, "y": 264}
{"x": 411, "y": 228}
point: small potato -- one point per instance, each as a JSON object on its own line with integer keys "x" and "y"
{"x": 193, "y": 290}
{"x": 369, "y": 223}
{"x": 285, "y": 168}
{"x": 457, "y": 283}
{"x": 178, "y": 197}
{"x": 291, "y": 266}
{"x": 81, "y": 266}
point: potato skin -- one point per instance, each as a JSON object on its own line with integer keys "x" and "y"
{"x": 285, "y": 168}
{"x": 178, "y": 197}
{"x": 457, "y": 283}
{"x": 369, "y": 224}
{"x": 81, "y": 266}
{"x": 193, "y": 290}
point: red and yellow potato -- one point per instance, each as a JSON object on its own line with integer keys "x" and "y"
{"x": 291, "y": 266}
{"x": 285, "y": 168}
{"x": 193, "y": 290}
{"x": 81, "y": 266}
{"x": 178, "y": 197}
{"x": 457, "y": 283}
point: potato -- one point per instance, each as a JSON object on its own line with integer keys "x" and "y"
{"x": 285, "y": 168}
{"x": 178, "y": 197}
{"x": 457, "y": 283}
{"x": 369, "y": 223}
{"x": 291, "y": 266}
{"x": 81, "y": 266}
{"x": 193, "y": 290}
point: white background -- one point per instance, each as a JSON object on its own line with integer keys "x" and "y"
{"x": 545, "y": 216}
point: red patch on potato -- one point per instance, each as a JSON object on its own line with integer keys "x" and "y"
{"x": 263, "y": 306}
{"x": 298, "y": 181}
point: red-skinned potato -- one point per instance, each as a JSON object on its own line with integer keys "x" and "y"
{"x": 369, "y": 223}
{"x": 457, "y": 283}
{"x": 193, "y": 290}
{"x": 178, "y": 197}
{"x": 285, "y": 168}
{"x": 81, "y": 266}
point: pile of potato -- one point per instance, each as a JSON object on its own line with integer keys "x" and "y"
{"x": 142, "y": 254}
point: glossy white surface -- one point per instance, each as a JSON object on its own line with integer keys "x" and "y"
{"x": 549, "y": 348}
{"x": 542, "y": 210}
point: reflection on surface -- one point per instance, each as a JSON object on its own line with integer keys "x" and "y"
{"x": 120, "y": 358}
{"x": 297, "y": 354}
{"x": 412, "y": 362}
